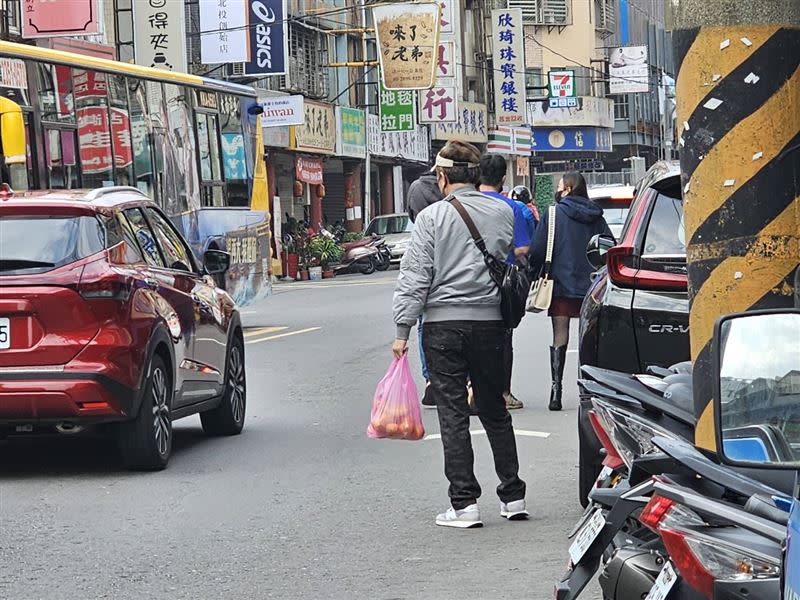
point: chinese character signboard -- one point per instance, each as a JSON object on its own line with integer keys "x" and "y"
{"x": 509, "y": 66}
{"x": 226, "y": 37}
{"x": 46, "y": 18}
{"x": 588, "y": 111}
{"x": 571, "y": 139}
{"x": 561, "y": 84}
{"x": 396, "y": 110}
{"x": 410, "y": 145}
{"x": 159, "y": 34}
{"x": 13, "y": 74}
{"x": 408, "y": 42}
{"x": 628, "y": 70}
{"x": 438, "y": 105}
{"x": 282, "y": 110}
{"x": 318, "y": 132}
{"x": 470, "y": 125}
{"x": 446, "y": 63}
{"x": 352, "y": 140}
{"x": 308, "y": 170}
{"x": 269, "y": 38}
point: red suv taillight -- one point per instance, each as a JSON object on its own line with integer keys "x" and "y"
{"x": 100, "y": 281}
{"x": 622, "y": 272}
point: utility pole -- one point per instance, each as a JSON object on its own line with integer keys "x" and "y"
{"x": 367, "y": 161}
{"x": 738, "y": 99}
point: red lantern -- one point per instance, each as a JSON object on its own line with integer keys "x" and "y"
{"x": 321, "y": 191}
{"x": 298, "y": 189}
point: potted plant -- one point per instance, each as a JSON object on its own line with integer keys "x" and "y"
{"x": 302, "y": 247}
{"x": 326, "y": 251}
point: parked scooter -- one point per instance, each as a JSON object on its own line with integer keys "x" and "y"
{"x": 362, "y": 255}
{"x": 708, "y": 531}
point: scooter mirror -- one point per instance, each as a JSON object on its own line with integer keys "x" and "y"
{"x": 757, "y": 397}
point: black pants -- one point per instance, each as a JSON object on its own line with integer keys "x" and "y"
{"x": 508, "y": 359}
{"x": 456, "y": 351}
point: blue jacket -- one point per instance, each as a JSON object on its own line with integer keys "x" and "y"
{"x": 577, "y": 221}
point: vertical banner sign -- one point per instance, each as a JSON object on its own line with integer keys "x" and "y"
{"x": 46, "y": 18}
{"x": 438, "y": 105}
{"x": 224, "y": 32}
{"x": 509, "y": 66}
{"x": 396, "y": 110}
{"x": 159, "y": 34}
{"x": 408, "y": 43}
{"x": 561, "y": 84}
{"x": 269, "y": 38}
{"x": 628, "y": 71}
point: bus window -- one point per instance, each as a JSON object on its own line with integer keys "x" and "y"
{"x": 233, "y": 151}
{"x": 182, "y": 146}
{"x": 55, "y": 93}
{"x": 94, "y": 129}
{"x": 60, "y": 158}
{"x": 213, "y": 192}
{"x": 140, "y": 141}
{"x": 121, "y": 130}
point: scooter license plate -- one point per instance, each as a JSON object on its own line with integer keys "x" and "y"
{"x": 588, "y": 534}
{"x": 664, "y": 582}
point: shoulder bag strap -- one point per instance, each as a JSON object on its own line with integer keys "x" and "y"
{"x": 551, "y": 237}
{"x": 495, "y": 269}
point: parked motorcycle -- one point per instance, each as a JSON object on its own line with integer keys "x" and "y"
{"x": 364, "y": 255}
{"x": 664, "y": 518}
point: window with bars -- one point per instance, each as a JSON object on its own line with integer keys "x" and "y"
{"x": 544, "y": 12}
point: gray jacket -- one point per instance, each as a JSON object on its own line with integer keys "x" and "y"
{"x": 443, "y": 276}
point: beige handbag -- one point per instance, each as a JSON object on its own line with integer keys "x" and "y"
{"x": 541, "y": 293}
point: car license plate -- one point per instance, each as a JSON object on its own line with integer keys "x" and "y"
{"x": 588, "y": 534}
{"x": 5, "y": 334}
{"x": 664, "y": 582}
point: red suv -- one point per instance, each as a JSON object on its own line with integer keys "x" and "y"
{"x": 106, "y": 317}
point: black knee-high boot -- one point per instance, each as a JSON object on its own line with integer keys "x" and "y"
{"x": 558, "y": 357}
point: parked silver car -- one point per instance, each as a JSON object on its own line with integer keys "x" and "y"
{"x": 396, "y": 230}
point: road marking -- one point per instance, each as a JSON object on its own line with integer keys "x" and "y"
{"x": 325, "y": 286}
{"x": 572, "y": 351}
{"x": 283, "y": 335}
{"x": 262, "y": 330}
{"x": 522, "y": 432}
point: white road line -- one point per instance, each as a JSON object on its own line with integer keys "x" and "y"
{"x": 572, "y": 351}
{"x": 283, "y": 335}
{"x": 522, "y": 432}
{"x": 325, "y": 286}
{"x": 263, "y": 330}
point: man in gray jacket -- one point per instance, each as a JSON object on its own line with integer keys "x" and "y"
{"x": 443, "y": 277}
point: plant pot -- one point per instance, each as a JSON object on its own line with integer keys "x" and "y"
{"x": 291, "y": 265}
{"x": 327, "y": 274}
{"x": 304, "y": 275}
{"x": 315, "y": 274}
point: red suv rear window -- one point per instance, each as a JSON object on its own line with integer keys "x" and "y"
{"x": 35, "y": 244}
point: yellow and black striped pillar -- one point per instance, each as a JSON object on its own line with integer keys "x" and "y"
{"x": 738, "y": 99}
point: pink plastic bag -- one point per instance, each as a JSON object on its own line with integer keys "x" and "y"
{"x": 395, "y": 407}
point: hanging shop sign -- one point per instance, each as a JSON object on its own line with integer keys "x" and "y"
{"x": 509, "y": 66}
{"x": 511, "y": 141}
{"x": 561, "y": 83}
{"x": 309, "y": 170}
{"x": 470, "y": 125}
{"x": 408, "y": 43}
{"x": 318, "y": 132}
{"x": 409, "y": 145}
{"x": 47, "y": 19}
{"x": 396, "y": 109}
{"x": 223, "y": 31}
{"x": 13, "y": 74}
{"x": 268, "y": 46}
{"x": 352, "y": 128}
{"x": 628, "y": 71}
{"x": 282, "y": 110}
{"x": 159, "y": 34}
{"x": 571, "y": 139}
{"x": 589, "y": 111}
{"x": 438, "y": 105}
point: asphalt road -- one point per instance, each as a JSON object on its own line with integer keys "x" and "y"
{"x": 302, "y": 504}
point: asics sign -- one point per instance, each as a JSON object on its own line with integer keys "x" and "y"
{"x": 268, "y": 37}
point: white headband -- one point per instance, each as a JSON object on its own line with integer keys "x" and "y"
{"x": 449, "y": 163}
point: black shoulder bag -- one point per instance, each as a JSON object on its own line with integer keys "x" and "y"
{"x": 512, "y": 280}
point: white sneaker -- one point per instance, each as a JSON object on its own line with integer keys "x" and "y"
{"x": 464, "y": 519}
{"x": 514, "y": 511}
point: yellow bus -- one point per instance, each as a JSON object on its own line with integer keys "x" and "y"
{"x": 190, "y": 143}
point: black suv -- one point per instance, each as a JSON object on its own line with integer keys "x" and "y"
{"x": 636, "y": 313}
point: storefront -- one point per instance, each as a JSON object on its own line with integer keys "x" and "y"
{"x": 398, "y": 158}
{"x": 314, "y": 140}
{"x": 347, "y": 173}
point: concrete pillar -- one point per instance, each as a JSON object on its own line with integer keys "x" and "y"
{"x": 315, "y": 210}
{"x": 353, "y": 199}
{"x": 387, "y": 189}
{"x": 738, "y": 97}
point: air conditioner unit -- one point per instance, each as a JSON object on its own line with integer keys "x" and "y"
{"x": 237, "y": 70}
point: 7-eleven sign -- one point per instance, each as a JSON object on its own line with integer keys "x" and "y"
{"x": 562, "y": 83}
